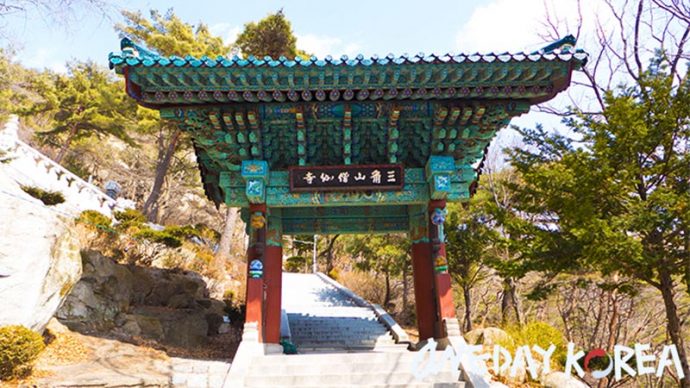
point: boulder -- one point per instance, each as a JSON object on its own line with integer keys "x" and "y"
{"x": 39, "y": 258}
{"x": 181, "y": 301}
{"x": 558, "y": 379}
{"x": 184, "y": 328}
{"x": 149, "y": 326}
{"x": 214, "y": 322}
{"x": 488, "y": 336}
{"x": 104, "y": 291}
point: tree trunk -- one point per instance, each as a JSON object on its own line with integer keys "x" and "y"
{"x": 223, "y": 252}
{"x": 673, "y": 323}
{"x": 165, "y": 155}
{"x": 510, "y": 309}
{"x": 65, "y": 146}
{"x": 387, "y": 297}
{"x": 406, "y": 287}
{"x": 467, "y": 324}
{"x": 329, "y": 254}
{"x": 613, "y": 331}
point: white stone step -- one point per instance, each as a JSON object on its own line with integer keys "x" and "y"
{"x": 344, "y": 336}
{"x": 320, "y": 379}
{"x": 339, "y": 343}
{"x": 359, "y": 366}
{"x": 334, "y": 358}
{"x": 407, "y": 385}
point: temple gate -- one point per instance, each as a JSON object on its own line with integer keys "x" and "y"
{"x": 349, "y": 145}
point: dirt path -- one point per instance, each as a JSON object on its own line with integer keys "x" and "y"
{"x": 76, "y": 360}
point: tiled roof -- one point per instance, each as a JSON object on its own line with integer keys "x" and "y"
{"x": 134, "y": 55}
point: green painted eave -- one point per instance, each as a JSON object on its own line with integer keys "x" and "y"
{"x": 158, "y": 81}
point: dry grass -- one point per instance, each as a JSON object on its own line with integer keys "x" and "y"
{"x": 65, "y": 348}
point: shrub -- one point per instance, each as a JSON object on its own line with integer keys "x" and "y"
{"x": 207, "y": 233}
{"x": 182, "y": 232}
{"x": 4, "y": 158}
{"x": 296, "y": 264}
{"x": 541, "y": 334}
{"x": 19, "y": 348}
{"x": 159, "y": 236}
{"x": 94, "y": 218}
{"x": 48, "y": 198}
{"x": 334, "y": 274}
{"x": 129, "y": 218}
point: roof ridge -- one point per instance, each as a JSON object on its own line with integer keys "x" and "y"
{"x": 134, "y": 54}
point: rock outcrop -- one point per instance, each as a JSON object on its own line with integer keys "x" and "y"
{"x": 488, "y": 336}
{"x": 172, "y": 307}
{"x": 39, "y": 258}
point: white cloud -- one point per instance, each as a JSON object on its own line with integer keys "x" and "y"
{"x": 226, "y": 31}
{"x": 44, "y": 58}
{"x": 502, "y": 25}
{"x": 322, "y": 45}
{"x": 509, "y": 25}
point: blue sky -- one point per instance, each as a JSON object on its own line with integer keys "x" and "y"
{"x": 322, "y": 28}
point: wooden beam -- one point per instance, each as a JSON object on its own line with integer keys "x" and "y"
{"x": 347, "y": 135}
{"x": 393, "y": 134}
{"x": 438, "y": 130}
{"x": 301, "y": 137}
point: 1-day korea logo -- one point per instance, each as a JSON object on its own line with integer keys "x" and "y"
{"x": 633, "y": 361}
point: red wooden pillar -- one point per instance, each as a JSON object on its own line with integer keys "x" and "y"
{"x": 423, "y": 275}
{"x": 433, "y": 293}
{"x": 255, "y": 285}
{"x": 273, "y": 279}
{"x": 443, "y": 293}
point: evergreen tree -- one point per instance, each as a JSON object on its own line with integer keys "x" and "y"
{"x": 272, "y": 36}
{"x": 615, "y": 198}
{"x": 168, "y": 35}
{"x": 82, "y": 103}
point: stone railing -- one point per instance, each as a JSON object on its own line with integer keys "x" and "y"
{"x": 28, "y": 166}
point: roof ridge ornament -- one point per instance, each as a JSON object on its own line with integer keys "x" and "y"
{"x": 130, "y": 48}
{"x": 564, "y": 45}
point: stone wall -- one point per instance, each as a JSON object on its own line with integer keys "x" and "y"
{"x": 169, "y": 306}
{"x": 28, "y": 166}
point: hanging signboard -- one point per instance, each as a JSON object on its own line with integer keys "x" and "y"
{"x": 346, "y": 178}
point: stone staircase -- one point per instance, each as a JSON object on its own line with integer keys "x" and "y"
{"x": 322, "y": 318}
{"x": 28, "y": 166}
{"x": 340, "y": 343}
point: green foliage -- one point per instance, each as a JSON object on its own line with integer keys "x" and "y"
{"x": 207, "y": 233}
{"x": 303, "y": 244}
{"x": 129, "y": 218}
{"x": 14, "y": 96}
{"x": 541, "y": 334}
{"x": 171, "y": 236}
{"x": 83, "y": 103}
{"x": 470, "y": 240}
{"x": 159, "y": 236}
{"x": 94, "y": 218}
{"x": 297, "y": 264}
{"x": 169, "y": 35}
{"x": 19, "y": 348}
{"x": 618, "y": 199}
{"x": 383, "y": 253}
{"x": 182, "y": 231}
{"x": 272, "y": 36}
{"x": 48, "y": 197}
